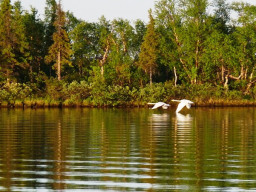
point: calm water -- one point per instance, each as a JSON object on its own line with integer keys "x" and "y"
{"x": 128, "y": 150}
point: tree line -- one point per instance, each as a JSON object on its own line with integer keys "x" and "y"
{"x": 188, "y": 48}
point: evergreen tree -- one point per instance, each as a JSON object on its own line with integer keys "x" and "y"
{"x": 222, "y": 15}
{"x": 50, "y": 17}
{"x": 7, "y": 53}
{"x": 13, "y": 43}
{"x": 35, "y": 38}
{"x": 148, "y": 55}
{"x": 60, "y": 51}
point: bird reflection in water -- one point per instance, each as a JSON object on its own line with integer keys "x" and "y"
{"x": 160, "y": 117}
{"x": 159, "y": 122}
{"x": 182, "y": 125}
{"x": 184, "y": 120}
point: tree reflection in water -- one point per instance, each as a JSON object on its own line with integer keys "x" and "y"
{"x": 127, "y": 149}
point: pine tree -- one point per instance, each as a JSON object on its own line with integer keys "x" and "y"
{"x": 35, "y": 38}
{"x": 60, "y": 51}
{"x": 148, "y": 54}
{"x": 50, "y": 17}
{"x": 13, "y": 45}
{"x": 7, "y": 55}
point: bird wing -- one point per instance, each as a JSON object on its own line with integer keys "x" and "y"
{"x": 159, "y": 104}
{"x": 180, "y": 106}
{"x": 165, "y": 106}
{"x": 188, "y": 105}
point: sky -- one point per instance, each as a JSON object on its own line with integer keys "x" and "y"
{"x": 92, "y": 10}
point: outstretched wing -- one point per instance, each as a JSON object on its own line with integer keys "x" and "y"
{"x": 159, "y": 104}
{"x": 180, "y": 106}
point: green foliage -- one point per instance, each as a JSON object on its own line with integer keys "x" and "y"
{"x": 76, "y": 92}
{"x": 85, "y": 45}
{"x": 13, "y": 92}
{"x": 188, "y": 52}
{"x": 60, "y": 51}
{"x": 148, "y": 54}
{"x": 54, "y": 89}
{"x": 117, "y": 95}
{"x": 154, "y": 93}
{"x": 13, "y": 45}
{"x": 98, "y": 92}
{"x": 34, "y": 33}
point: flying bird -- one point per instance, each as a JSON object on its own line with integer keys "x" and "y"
{"x": 159, "y": 104}
{"x": 183, "y": 103}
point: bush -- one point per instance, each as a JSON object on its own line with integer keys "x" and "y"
{"x": 76, "y": 92}
{"x": 98, "y": 93}
{"x": 118, "y": 95}
{"x": 153, "y": 93}
{"x": 13, "y": 92}
{"x": 54, "y": 90}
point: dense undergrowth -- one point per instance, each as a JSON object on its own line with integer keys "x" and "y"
{"x": 99, "y": 94}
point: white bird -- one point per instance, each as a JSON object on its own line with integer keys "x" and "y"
{"x": 159, "y": 104}
{"x": 183, "y": 103}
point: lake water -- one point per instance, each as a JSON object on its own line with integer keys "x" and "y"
{"x": 202, "y": 149}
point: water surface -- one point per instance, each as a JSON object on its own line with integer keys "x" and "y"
{"x": 202, "y": 149}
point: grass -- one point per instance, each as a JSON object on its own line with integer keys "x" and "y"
{"x": 225, "y": 103}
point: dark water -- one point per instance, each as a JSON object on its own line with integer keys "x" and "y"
{"x": 128, "y": 150}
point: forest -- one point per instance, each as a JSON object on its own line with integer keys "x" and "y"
{"x": 200, "y": 50}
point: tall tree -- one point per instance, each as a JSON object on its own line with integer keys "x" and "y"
{"x": 186, "y": 21}
{"x": 148, "y": 55}
{"x": 120, "y": 59}
{"x": 168, "y": 21}
{"x": 194, "y": 35}
{"x": 34, "y": 30}
{"x": 6, "y": 42}
{"x": 139, "y": 32}
{"x": 85, "y": 46}
{"x": 60, "y": 51}
{"x": 245, "y": 44}
{"x": 218, "y": 53}
{"x": 105, "y": 43}
{"x": 50, "y": 17}
{"x": 13, "y": 44}
{"x": 72, "y": 21}
{"x": 222, "y": 15}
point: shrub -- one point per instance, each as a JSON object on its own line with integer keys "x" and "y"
{"x": 118, "y": 95}
{"x": 54, "y": 90}
{"x": 76, "y": 92}
{"x": 13, "y": 92}
{"x": 98, "y": 93}
{"x": 153, "y": 93}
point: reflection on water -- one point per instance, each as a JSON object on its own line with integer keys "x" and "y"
{"x": 127, "y": 150}
{"x": 184, "y": 120}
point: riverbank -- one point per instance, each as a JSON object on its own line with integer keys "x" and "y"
{"x": 83, "y": 94}
{"x": 40, "y": 103}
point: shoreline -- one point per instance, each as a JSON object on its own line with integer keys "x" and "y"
{"x": 58, "y": 104}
